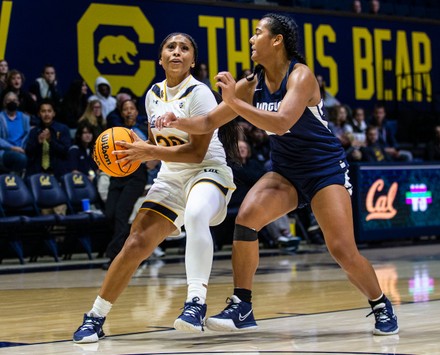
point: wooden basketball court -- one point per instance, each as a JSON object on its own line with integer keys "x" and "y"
{"x": 303, "y": 305}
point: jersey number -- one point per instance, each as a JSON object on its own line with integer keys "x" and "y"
{"x": 169, "y": 141}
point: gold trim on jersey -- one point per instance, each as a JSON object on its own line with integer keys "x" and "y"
{"x": 160, "y": 209}
{"x": 187, "y": 80}
{"x": 223, "y": 189}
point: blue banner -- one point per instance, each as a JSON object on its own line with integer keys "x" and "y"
{"x": 362, "y": 59}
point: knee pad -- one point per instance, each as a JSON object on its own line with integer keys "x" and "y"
{"x": 245, "y": 234}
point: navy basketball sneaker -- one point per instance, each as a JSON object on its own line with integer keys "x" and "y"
{"x": 237, "y": 316}
{"x": 386, "y": 320}
{"x": 192, "y": 317}
{"x": 90, "y": 331}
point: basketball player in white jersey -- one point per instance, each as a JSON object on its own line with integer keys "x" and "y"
{"x": 193, "y": 188}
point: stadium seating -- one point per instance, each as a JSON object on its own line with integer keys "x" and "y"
{"x": 20, "y": 218}
{"x": 48, "y": 194}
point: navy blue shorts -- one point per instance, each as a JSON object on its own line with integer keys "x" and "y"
{"x": 308, "y": 187}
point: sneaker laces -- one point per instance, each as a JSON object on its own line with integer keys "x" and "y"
{"x": 231, "y": 307}
{"x": 192, "y": 309}
{"x": 89, "y": 324}
{"x": 381, "y": 314}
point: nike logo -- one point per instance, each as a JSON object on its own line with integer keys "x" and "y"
{"x": 258, "y": 89}
{"x": 242, "y": 318}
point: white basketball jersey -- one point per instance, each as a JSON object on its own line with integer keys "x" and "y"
{"x": 189, "y": 98}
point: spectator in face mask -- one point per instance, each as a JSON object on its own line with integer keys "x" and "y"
{"x": 14, "y": 132}
{"x": 14, "y": 83}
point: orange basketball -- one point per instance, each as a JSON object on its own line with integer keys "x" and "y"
{"x": 105, "y": 145}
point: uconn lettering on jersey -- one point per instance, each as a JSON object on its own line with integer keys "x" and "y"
{"x": 269, "y": 106}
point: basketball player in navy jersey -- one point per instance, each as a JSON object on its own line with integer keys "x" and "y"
{"x": 308, "y": 167}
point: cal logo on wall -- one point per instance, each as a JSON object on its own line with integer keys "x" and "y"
{"x": 381, "y": 207}
{"x": 106, "y": 48}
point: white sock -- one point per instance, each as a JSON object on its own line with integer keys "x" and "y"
{"x": 100, "y": 308}
{"x": 197, "y": 290}
{"x": 377, "y": 299}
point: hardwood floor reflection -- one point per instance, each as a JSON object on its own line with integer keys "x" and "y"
{"x": 303, "y": 304}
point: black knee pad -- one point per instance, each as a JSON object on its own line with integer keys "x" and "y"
{"x": 245, "y": 234}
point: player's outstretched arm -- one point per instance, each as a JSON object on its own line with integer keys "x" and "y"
{"x": 301, "y": 89}
{"x": 204, "y": 124}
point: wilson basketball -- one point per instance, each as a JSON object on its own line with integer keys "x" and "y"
{"x": 103, "y": 152}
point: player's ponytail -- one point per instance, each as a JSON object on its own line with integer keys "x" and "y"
{"x": 257, "y": 70}
{"x": 229, "y": 134}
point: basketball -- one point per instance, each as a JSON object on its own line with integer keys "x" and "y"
{"x": 104, "y": 147}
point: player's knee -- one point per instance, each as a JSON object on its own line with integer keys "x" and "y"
{"x": 135, "y": 245}
{"x": 246, "y": 234}
{"x": 195, "y": 216}
{"x": 341, "y": 252}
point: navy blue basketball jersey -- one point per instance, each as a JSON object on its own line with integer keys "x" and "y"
{"x": 308, "y": 149}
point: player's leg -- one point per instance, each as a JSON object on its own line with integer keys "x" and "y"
{"x": 333, "y": 211}
{"x": 270, "y": 198}
{"x": 148, "y": 230}
{"x": 206, "y": 201}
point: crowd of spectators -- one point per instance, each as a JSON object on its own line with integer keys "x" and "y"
{"x": 42, "y": 130}
{"x": 361, "y": 135}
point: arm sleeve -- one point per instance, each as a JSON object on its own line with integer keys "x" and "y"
{"x": 4, "y": 144}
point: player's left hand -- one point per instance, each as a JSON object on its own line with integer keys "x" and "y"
{"x": 138, "y": 150}
{"x": 226, "y": 82}
{"x": 167, "y": 120}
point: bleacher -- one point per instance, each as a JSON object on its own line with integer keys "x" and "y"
{"x": 31, "y": 226}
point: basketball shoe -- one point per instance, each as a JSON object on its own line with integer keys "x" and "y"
{"x": 90, "y": 331}
{"x": 386, "y": 320}
{"x": 288, "y": 242}
{"x": 192, "y": 318}
{"x": 237, "y": 316}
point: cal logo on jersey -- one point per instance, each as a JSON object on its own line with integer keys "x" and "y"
{"x": 153, "y": 121}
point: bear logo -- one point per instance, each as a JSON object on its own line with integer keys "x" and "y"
{"x": 115, "y": 48}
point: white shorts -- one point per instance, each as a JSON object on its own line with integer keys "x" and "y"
{"x": 169, "y": 194}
